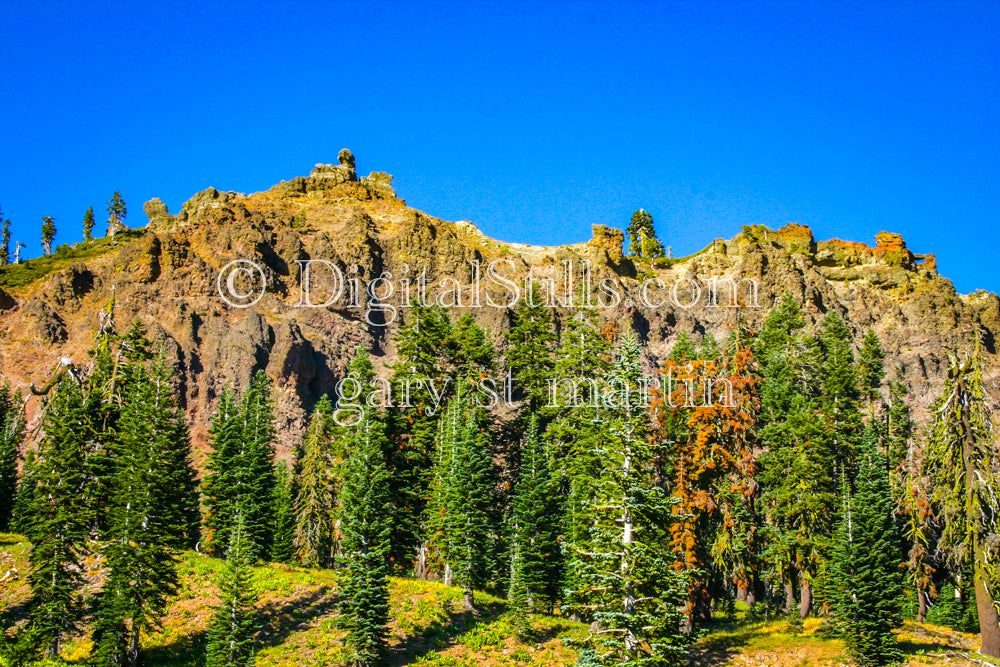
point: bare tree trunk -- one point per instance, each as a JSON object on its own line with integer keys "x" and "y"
{"x": 742, "y": 592}
{"x": 422, "y": 562}
{"x": 807, "y": 599}
{"x": 631, "y": 642}
{"x": 789, "y": 588}
{"x": 922, "y": 606}
{"x": 448, "y": 575}
{"x": 469, "y": 600}
{"x": 133, "y": 646}
{"x": 989, "y": 621}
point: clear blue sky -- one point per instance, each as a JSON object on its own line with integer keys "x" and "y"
{"x": 533, "y": 120}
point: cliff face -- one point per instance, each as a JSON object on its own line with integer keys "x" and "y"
{"x": 168, "y": 275}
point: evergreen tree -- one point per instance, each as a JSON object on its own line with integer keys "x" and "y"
{"x": 57, "y": 518}
{"x": 840, "y": 394}
{"x": 4, "y": 240}
{"x": 241, "y": 478}
{"x": 117, "y": 209}
{"x": 871, "y": 369}
{"x": 965, "y": 469}
{"x": 88, "y": 224}
{"x": 364, "y": 549}
{"x": 11, "y": 434}
{"x": 256, "y": 481}
{"x": 461, "y": 495}
{"x": 314, "y": 505}
{"x": 530, "y": 358}
{"x": 535, "y": 526}
{"x": 642, "y": 236}
{"x": 866, "y": 565}
{"x": 48, "y": 234}
{"x": 625, "y": 583}
{"x": 283, "y": 548}
{"x": 148, "y": 516}
{"x": 20, "y": 521}
{"x": 219, "y": 484}
{"x": 232, "y": 633}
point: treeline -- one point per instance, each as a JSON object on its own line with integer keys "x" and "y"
{"x": 805, "y": 492}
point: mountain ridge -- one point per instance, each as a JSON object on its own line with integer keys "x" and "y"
{"x": 167, "y": 274}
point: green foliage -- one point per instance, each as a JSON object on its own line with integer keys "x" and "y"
{"x": 536, "y": 561}
{"x": 241, "y": 478}
{"x": 28, "y": 271}
{"x": 283, "y": 547}
{"x": 232, "y": 633}
{"x": 88, "y": 224}
{"x": 866, "y": 565}
{"x": 531, "y": 336}
{"x": 364, "y": 548}
{"x": 11, "y": 435}
{"x": 434, "y": 353}
{"x": 151, "y": 502}
{"x": 642, "y": 236}
{"x": 871, "y": 368}
{"x": 116, "y": 208}
{"x": 48, "y": 234}
{"x": 314, "y": 505}
{"x": 459, "y": 512}
{"x": 4, "y": 240}
{"x": 625, "y": 582}
{"x": 58, "y": 516}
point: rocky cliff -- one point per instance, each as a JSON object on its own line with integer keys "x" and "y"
{"x": 170, "y": 274}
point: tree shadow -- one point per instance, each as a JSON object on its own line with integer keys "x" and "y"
{"x": 441, "y": 634}
{"x": 717, "y": 650}
{"x": 280, "y": 619}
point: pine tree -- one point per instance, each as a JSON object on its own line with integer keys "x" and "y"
{"x": 536, "y": 561}
{"x": 116, "y": 209}
{"x": 965, "y": 469}
{"x": 88, "y": 224}
{"x": 626, "y": 585}
{"x": 866, "y": 565}
{"x": 714, "y": 471}
{"x": 840, "y": 394}
{"x": 255, "y": 482}
{"x": 4, "y": 240}
{"x": 219, "y": 485}
{"x": 364, "y": 549}
{"x": 48, "y": 234}
{"x": 20, "y": 521}
{"x": 283, "y": 548}
{"x": 461, "y": 495}
{"x": 314, "y": 505}
{"x": 241, "y": 476}
{"x": 11, "y": 434}
{"x": 148, "y": 516}
{"x": 58, "y": 516}
{"x": 530, "y": 358}
{"x": 232, "y": 633}
{"x": 871, "y": 369}
{"x": 642, "y": 236}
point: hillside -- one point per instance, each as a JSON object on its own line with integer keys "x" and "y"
{"x": 297, "y": 607}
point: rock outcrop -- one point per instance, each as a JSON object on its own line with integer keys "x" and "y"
{"x": 168, "y": 276}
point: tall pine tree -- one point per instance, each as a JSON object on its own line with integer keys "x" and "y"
{"x": 364, "y": 549}
{"x": 232, "y": 635}
{"x": 58, "y": 516}
{"x": 866, "y": 565}
{"x": 314, "y": 505}
{"x": 11, "y": 434}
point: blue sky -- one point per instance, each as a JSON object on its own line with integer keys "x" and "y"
{"x": 533, "y": 120}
